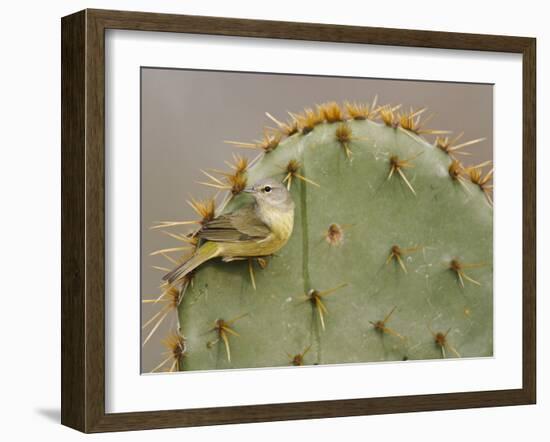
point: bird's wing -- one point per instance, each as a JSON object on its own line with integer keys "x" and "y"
{"x": 241, "y": 225}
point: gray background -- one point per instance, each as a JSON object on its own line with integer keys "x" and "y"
{"x": 187, "y": 114}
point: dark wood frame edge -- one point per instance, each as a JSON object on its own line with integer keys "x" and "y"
{"x": 83, "y": 234}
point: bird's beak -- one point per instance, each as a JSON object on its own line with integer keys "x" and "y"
{"x": 249, "y": 190}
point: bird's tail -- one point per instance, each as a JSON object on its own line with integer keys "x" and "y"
{"x": 207, "y": 251}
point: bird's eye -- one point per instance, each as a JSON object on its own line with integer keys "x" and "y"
{"x": 267, "y": 189}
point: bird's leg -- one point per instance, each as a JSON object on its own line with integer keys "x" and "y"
{"x": 263, "y": 261}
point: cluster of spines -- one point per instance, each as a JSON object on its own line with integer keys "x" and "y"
{"x": 176, "y": 347}
{"x": 409, "y": 122}
{"x": 171, "y": 294}
{"x": 234, "y": 181}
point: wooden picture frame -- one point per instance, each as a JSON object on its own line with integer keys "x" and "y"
{"x": 83, "y": 219}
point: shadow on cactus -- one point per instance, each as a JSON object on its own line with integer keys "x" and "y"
{"x": 349, "y": 238}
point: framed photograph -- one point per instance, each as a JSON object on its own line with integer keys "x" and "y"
{"x": 270, "y": 220}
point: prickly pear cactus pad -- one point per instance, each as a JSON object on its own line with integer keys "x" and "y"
{"x": 390, "y": 258}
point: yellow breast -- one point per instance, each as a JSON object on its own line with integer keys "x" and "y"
{"x": 281, "y": 224}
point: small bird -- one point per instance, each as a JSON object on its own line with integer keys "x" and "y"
{"x": 254, "y": 230}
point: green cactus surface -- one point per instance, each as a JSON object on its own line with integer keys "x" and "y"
{"x": 390, "y": 258}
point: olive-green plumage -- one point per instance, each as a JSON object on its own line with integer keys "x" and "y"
{"x": 258, "y": 229}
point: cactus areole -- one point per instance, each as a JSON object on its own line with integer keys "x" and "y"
{"x": 390, "y": 258}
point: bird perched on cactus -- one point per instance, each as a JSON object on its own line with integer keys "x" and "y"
{"x": 254, "y": 230}
{"x": 396, "y": 217}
